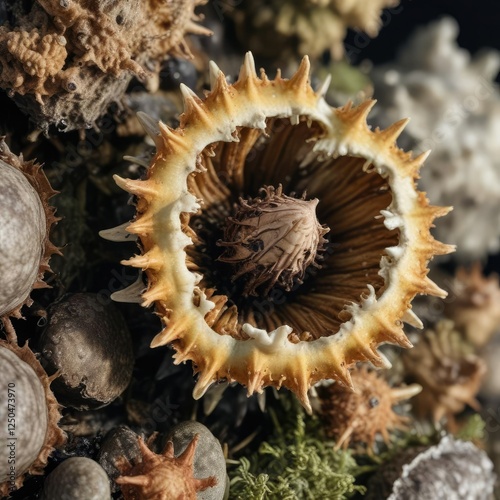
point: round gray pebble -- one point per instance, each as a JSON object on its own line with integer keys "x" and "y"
{"x": 77, "y": 478}
{"x": 208, "y": 459}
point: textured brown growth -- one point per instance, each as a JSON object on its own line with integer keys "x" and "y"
{"x": 260, "y": 132}
{"x": 164, "y": 476}
{"x": 54, "y": 436}
{"x": 474, "y": 305}
{"x": 71, "y": 59}
{"x": 449, "y": 373}
{"x": 272, "y": 241}
{"x": 357, "y": 417}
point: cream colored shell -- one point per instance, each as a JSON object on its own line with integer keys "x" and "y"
{"x": 270, "y": 358}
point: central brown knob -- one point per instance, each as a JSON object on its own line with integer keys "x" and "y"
{"x": 272, "y": 240}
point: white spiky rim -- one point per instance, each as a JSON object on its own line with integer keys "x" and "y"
{"x": 270, "y": 358}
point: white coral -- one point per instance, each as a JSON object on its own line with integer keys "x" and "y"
{"x": 455, "y": 111}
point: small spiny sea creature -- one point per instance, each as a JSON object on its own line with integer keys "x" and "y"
{"x": 357, "y": 417}
{"x": 163, "y": 477}
{"x": 474, "y": 305}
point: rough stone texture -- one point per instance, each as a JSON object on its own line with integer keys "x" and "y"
{"x": 119, "y": 444}
{"x": 450, "y": 470}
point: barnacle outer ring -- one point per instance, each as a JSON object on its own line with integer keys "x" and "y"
{"x": 269, "y": 358}
{"x": 35, "y": 176}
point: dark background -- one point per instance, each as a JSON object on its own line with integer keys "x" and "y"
{"x": 479, "y": 22}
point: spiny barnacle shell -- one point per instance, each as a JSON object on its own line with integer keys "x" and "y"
{"x": 359, "y": 416}
{"x": 164, "y": 476}
{"x": 29, "y": 401}
{"x": 448, "y": 371}
{"x": 26, "y": 218}
{"x": 260, "y": 132}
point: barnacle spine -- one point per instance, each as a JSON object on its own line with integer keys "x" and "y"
{"x": 164, "y": 200}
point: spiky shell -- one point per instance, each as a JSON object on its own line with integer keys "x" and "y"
{"x": 27, "y": 393}
{"x": 164, "y": 477}
{"x": 258, "y": 358}
{"x": 359, "y": 416}
{"x": 25, "y": 246}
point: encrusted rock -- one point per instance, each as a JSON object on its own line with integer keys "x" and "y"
{"x": 450, "y": 470}
{"x": 65, "y": 62}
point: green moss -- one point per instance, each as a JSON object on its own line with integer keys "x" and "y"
{"x": 296, "y": 463}
{"x": 472, "y": 429}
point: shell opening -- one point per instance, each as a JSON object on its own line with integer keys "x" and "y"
{"x": 351, "y": 195}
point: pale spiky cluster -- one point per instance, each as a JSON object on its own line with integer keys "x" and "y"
{"x": 271, "y": 28}
{"x": 379, "y": 221}
{"x": 454, "y": 106}
{"x": 163, "y": 477}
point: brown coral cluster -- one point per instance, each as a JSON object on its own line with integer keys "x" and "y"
{"x": 357, "y": 417}
{"x": 474, "y": 304}
{"x": 448, "y": 371}
{"x": 65, "y": 61}
{"x": 164, "y": 476}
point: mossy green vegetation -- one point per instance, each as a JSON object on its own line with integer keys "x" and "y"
{"x": 296, "y": 462}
